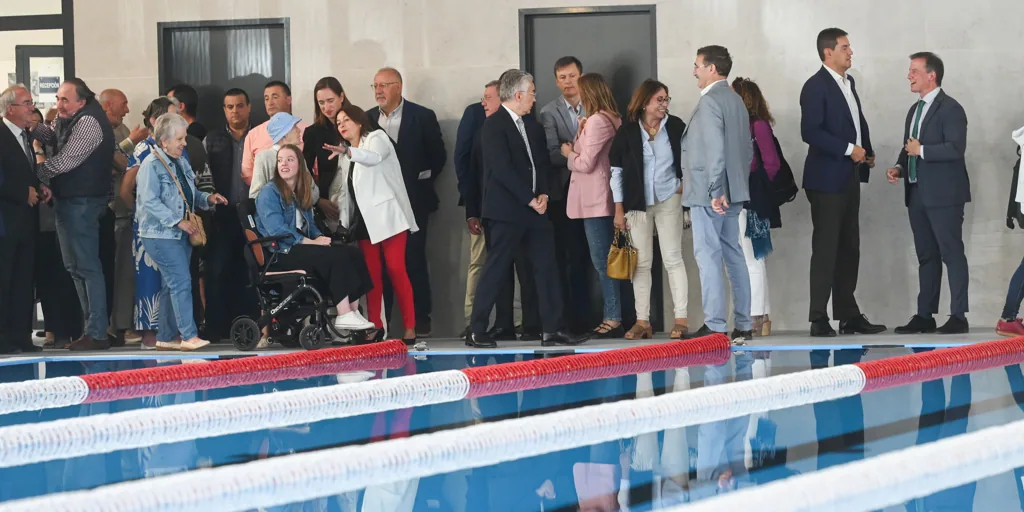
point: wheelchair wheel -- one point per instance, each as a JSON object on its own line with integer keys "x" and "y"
{"x": 311, "y": 337}
{"x": 245, "y": 333}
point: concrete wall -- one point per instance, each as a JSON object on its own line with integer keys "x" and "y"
{"x": 448, "y": 49}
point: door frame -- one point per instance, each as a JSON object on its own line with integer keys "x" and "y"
{"x": 526, "y": 17}
{"x": 23, "y": 54}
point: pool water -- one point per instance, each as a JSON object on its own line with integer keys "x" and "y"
{"x": 646, "y": 472}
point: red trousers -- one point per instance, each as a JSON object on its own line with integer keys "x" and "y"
{"x": 392, "y": 252}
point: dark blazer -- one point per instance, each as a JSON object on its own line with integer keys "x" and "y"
{"x": 420, "y": 148}
{"x": 507, "y": 180}
{"x": 942, "y": 174}
{"x": 827, "y": 127}
{"x": 627, "y": 152}
{"x": 472, "y": 119}
{"x": 474, "y": 179}
{"x": 18, "y": 176}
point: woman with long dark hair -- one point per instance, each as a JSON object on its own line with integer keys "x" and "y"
{"x": 761, "y": 212}
{"x": 328, "y": 98}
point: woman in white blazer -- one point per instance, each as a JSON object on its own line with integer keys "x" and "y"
{"x": 375, "y": 210}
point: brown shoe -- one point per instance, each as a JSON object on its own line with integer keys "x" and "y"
{"x": 87, "y": 342}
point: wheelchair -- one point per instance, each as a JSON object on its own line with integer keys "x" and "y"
{"x": 291, "y": 304}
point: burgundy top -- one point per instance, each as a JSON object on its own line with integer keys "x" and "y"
{"x": 762, "y": 132}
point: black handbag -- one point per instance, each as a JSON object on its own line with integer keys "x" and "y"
{"x": 784, "y": 184}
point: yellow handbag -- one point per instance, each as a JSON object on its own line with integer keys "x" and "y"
{"x": 622, "y": 257}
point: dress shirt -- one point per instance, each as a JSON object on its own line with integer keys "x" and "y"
{"x": 526, "y": 140}
{"x": 257, "y": 140}
{"x": 928, "y": 100}
{"x": 660, "y": 181}
{"x": 85, "y": 137}
{"x": 18, "y": 131}
{"x": 574, "y": 113}
{"x": 844, "y": 85}
{"x": 709, "y": 86}
{"x": 392, "y": 123}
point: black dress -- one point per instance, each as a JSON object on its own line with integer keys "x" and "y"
{"x": 313, "y": 140}
{"x": 356, "y": 225}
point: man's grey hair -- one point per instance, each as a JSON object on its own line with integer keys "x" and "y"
{"x": 8, "y": 97}
{"x": 513, "y": 81}
{"x": 392, "y": 70}
{"x": 493, "y": 83}
{"x": 169, "y": 126}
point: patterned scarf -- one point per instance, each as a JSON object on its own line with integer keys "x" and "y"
{"x": 759, "y": 233}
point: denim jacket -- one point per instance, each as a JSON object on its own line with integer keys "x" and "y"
{"x": 159, "y": 207}
{"x": 274, "y": 217}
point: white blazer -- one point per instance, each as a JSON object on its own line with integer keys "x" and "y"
{"x": 379, "y": 189}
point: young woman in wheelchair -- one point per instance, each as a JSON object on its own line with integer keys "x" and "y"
{"x": 284, "y": 207}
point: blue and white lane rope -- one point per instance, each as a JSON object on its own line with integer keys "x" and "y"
{"x": 885, "y": 480}
{"x": 302, "y": 477}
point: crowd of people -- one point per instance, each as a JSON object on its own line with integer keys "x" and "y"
{"x": 141, "y": 225}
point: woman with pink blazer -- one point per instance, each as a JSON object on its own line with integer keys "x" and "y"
{"x": 590, "y": 195}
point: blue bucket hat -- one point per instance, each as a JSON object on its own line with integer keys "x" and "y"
{"x": 280, "y": 125}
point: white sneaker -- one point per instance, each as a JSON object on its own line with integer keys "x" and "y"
{"x": 352, "y": 321}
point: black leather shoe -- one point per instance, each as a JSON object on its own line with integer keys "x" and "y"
{"x": 741, "y": 337}
{"x": 562, "y": 338}
{"x": 530, "y": 336}
{"x": 465, "y": 333}
{"x": 822, "y": 329}
{"x": 955, "y": 325}
{"x": 501, "y": 334}
{"x": 860, "y": 325}
{"x": 480, "y": 341}
{"x": 917, "y": 325}
{"x": 700, "y": 333}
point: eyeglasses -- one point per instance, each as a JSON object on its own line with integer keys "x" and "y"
{"x": 382, "y": 85}
{"x": 664, "y": 101}
{"x": 26, "y": 104}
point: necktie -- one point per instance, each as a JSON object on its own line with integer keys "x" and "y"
{"x": 574, "y": 113}
{"x": 29, "y": 152}
{"x": 529, "y": 152}
{"x": 913, "y": 133}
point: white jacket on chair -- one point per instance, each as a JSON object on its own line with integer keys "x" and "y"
{"x": 379, "y": 189}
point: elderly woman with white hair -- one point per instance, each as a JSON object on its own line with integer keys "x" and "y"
{"x": 166, "y": 192}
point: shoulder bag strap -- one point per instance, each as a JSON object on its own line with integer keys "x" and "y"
{"x": 173, "y": 177}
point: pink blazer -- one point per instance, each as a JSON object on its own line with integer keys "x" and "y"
{"x": 590, "y": 193}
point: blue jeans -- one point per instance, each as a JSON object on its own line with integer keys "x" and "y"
{"x": 714, "y": 237}
{"x": 172, "y": 258}
{"x": 600, "y": 231}
{"x": 1015, "y": 293}
{"x": 78, "y": 232}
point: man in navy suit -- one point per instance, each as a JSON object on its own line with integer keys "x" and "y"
{"x": 838, "y": 157}
{"x": 417, "y": 138}
{"x": 936, "y": 189}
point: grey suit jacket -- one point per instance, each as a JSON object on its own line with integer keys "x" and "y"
{"x": 558, "y": 128}
{"x": 942, "y": 174}
{"x": 717, "y": 149}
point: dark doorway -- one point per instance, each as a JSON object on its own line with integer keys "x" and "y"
{"x": 214, "y": 56}
{"x": 619, "y": 42}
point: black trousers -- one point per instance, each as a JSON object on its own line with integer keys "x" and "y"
{"x": 504, "y": 308}
{"x": 938, "y": 238}
{"x": 228, "y": 294}
{"x": 505, "y": 239}
{"x": 341, "y": 268}
{"x": 62, "y": 313}
{"x": 108, "y": 249}
{"x": 573, "y": 256}
{"x": 419, "y": 274}
{"x": 835, "y": 251}
{"x": 17, "y": 300}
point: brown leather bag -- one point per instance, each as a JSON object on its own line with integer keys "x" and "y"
{"x": 622, "y": 257}
{"x": 199, "y": 238}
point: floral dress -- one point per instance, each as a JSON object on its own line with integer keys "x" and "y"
{"x": 147, "y": 275}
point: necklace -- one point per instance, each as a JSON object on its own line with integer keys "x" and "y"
{"x": 651, "y": 132}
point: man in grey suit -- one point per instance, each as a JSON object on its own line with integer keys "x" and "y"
{"x": 561, "y": 120}
{"x": 935, "y": 192}
{"x": 717, "y": 151}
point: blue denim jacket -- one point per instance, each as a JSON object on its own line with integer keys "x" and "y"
{"x": 274, "y": 217}
{"x": 159, "y": 207}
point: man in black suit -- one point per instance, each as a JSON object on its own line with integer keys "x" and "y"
{"x": 936, "y": 188}
{"x": 417, "y": 138}
{"x": 20, "y": 192}
{"x": 839, "y": 155}
{"x": 514, "y": 205}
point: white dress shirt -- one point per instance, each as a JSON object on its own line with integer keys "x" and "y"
{"x": 709, "y": 86}
{"x": 574, "y": 113}
{"x": 392, "y": 123}
{"x": 844, "y": 85}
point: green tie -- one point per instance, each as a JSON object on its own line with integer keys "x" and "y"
{"x": 913, "y": 134}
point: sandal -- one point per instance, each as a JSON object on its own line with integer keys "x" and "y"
{"x": 679, "y": 331}
{"x": 639, "y": 332}
{"x": 606, "y": 331}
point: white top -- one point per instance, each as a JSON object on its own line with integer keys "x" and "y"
{"x": 844, "y": 85}
{"x": 392, "y": 123}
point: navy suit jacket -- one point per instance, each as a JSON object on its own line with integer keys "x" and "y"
{"x": 827, "y": 127}
{"x": 420, "y": 148}
{"x": 471, "y": 122}
{"x": 507, "y": 179}
{"x": 942, "y": 175}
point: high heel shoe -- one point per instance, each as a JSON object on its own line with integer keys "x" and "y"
{"x": 766, "y": 326}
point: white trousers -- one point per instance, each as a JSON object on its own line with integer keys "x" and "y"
{"x": 667, "y": 217}
{"x": 758, "y": 270}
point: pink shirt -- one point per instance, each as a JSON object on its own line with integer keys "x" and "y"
{"x": 257, "y": 140}
{"x": 590, "y": 192}
{"x": 762, "y": 131}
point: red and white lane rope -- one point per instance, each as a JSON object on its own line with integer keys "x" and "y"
{"x": 42, "y": 394}
{"x": 885, "y": 480}
{"x": 88, "y": 435}
{"x": 307, "y": 476}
